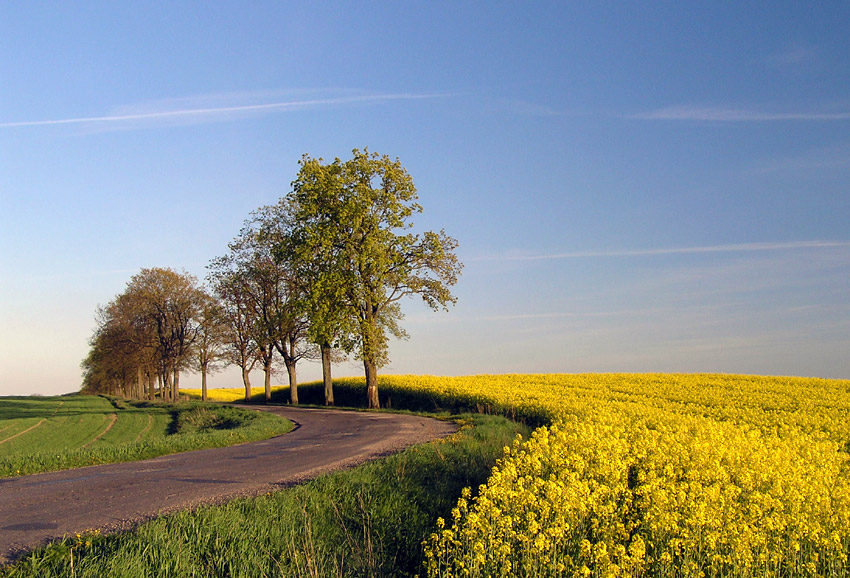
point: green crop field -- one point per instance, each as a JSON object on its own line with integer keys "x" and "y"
{"x": 72, "y": 422}
{"x": 40, "y": 434}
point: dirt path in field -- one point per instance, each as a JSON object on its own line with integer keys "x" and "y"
{"x": 39, "y": 508}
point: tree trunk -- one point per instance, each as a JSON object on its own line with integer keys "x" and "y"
{"x": 140, "y": 374}
{"x": 151, "y": 386}
{"x": 293, "y": 382}
{"x": 267, "y": 380}
{"x": 175, "y": 386}
{"x": 203, "y": 383}
{"x": 165, "y": 388}
{"x": 246, "y": 381}
{"x": 371, "y": 384}
{"x": 326, "y": 374}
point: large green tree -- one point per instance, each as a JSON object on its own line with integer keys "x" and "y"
{"x": 353, "y": 222}
{"x": 315, "y": 257}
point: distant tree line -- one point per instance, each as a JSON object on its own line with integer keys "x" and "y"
{"x": 319, "y": 275}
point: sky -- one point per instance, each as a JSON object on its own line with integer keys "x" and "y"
{"x": 634, "y": 186}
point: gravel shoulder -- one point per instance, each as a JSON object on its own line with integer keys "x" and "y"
{"x": 43, "y": 507}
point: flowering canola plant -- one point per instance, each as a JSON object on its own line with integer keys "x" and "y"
{"x": 654, "y": 475}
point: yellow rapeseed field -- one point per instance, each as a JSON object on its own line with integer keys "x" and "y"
{"x": 663, "y": 475}
{"x": 655, "y": 475}
{"x": 225, "y": 394}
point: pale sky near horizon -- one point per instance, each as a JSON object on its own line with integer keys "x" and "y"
{"x": 634, "y": 186}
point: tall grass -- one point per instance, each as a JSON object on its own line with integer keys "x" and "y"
{"x": 369, "y": 521}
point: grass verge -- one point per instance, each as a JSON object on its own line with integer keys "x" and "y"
{"x": 369, "y": 521}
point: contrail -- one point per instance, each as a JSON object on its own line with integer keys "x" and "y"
{"x": 745, "y": 247}
{"x": 220, "y": 110}
{"x": 687, "y": 113}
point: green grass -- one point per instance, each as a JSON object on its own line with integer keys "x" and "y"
{"x": 369, "y": 521}
{"x": 40, "y": 434}
{"x": 73, "y": 422}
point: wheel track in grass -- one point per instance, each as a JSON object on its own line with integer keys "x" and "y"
{"x": 20, "y": 433}
{"x": 144, "y": 431}
{"x": 113, "y": 417}
{"x": 29, "y": 429}
{"x": 40, "y": 508}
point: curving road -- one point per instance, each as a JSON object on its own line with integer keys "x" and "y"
{"x": 39, "y": 508}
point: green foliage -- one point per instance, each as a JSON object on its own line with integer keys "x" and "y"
{"x": 261, "y": 294}
{"x": 351, "y": 236}
{"x": 369, "y": 521}
{"x": 56, "y": 433}
{"x": 146, "y": 331}
{"x": 205, "y": 418}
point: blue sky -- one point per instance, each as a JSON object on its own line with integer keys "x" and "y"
{"x": 634, "y": 187}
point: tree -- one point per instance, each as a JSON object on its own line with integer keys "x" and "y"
{"x": 308, "y": 249}
{"x": 230, "y": 286}
{"x": 286, "y": 326}
{"x": 123, "y": 347}
{"x": 211, "y": 339}
{"x": 267, "y": 293}
{"x": 116, "y": 359}
{"x": 353, "y": 222}
{"x": 166, "y": 303}
{"x": 144, "y": 333}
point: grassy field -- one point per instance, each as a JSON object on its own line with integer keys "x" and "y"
{"x": 39, "y": 434}
{"x": 635, "y": 475}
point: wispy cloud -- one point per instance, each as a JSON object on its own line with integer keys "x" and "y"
{"x": 219, "y": 112}
{"x": 722, "y": 114}
{"x": 739, "y": 248}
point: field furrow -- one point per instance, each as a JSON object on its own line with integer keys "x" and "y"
{"x": 111, "y": 419}
{"x": 29, "y": 429}
{"x": 146, "y": 429}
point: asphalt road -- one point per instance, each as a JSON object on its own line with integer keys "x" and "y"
{"x": 42, "y": 507}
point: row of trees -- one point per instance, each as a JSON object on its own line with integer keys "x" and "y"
{"x": 318, "y": 275}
